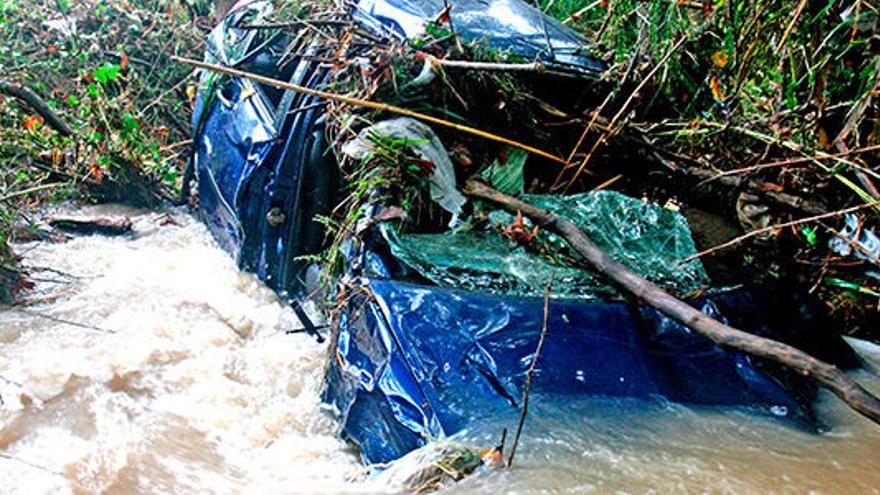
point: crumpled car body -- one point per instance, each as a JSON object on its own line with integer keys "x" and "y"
{"x": 415, "y": 361}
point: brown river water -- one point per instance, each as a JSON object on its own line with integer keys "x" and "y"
{"x": 149, "y": 364}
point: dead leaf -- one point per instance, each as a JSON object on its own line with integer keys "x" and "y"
{"x": 33, "y": 123}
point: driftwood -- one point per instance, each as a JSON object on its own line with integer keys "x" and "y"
{"x": 92, "y": 225}
{"x": 825, "y": 374}
{"x": 38, "y": 104}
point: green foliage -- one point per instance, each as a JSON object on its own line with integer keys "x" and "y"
{"x": 810, "y": 235}
{"x": 107, "y": 77}
{"x": 106, "y": 73}
{"x": 103, "y": 67}
{"x": 823, "y": 61}
{"x": 508, "y": 175}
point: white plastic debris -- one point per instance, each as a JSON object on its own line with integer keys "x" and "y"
{"x": 65, "y": 25}
{"x": 424, "y": 143}
{"x": 852, "y": 235}
{"x": 426, "y": 76}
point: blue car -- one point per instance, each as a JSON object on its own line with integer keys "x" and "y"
{"x": 413, "y": 358}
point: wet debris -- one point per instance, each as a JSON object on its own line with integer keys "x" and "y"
{"x": 108, "y": 226}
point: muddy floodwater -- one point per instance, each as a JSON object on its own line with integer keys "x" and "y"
{"x": 150, "y": 364}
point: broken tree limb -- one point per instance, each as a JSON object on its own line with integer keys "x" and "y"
{"x": 825, "y": 374}
{"x": 222, "y": 69}
{"x": 39, "y": 105}
{"x": 92, "y": 225}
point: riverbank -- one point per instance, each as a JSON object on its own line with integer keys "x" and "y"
{"x": 91, "y": 109}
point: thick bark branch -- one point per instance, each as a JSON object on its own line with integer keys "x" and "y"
{"x": 109, "y": 226}
{"x": 825, "y": 374}
{"x": 38, "y": 104}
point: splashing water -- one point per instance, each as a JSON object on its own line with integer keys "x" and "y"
{"x": 151, "y": 364}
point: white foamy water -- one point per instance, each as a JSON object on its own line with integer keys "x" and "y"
{"x": 198, "y": 388}
{"x": 183, "y": 380}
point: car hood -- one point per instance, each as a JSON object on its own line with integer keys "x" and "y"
{"x": 504, "y": 25}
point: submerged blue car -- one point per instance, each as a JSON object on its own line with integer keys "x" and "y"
{"x": 421, "y": 347}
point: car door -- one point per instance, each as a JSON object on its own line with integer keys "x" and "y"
{"x": 233, "y": 141}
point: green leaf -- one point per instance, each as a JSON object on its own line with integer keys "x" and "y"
{"x": 508, "y": 177}
{"x": 845, "y": 284}
{"x": 106, "y": 73}
{"x": 129, "y": 123}
{"x": 810, "y": 235}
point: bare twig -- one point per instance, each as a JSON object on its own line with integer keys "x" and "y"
{"x": 487, "y": 66}
{"x": 795, "y": 161}
{"x": 62, "y": 320}
{"x": 644, "y": 81}
{"x": 577, "y": 15}
{"x": 580, "y": 141}
{"x": 622, "y": 111}
{"x": 528, "y": 385}
{"x": 25, "y": 192}
{"x": 31, "y": 464}
{"x": 794, "y": 19}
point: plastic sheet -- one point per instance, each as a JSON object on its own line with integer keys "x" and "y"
{"x": 645, "y": 237}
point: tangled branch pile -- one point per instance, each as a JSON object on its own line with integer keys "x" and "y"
{"x": 748, "y": 115}
{"x": 771, "y": 106}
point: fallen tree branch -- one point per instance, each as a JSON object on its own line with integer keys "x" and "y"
{"x": 368, "y": 104}
{"x": 39, "y": 105}
{"x": 109, "y": 226}
{"x": 825, "y": 374}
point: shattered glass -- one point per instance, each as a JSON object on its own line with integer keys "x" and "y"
{"x": 646, "y": 238}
